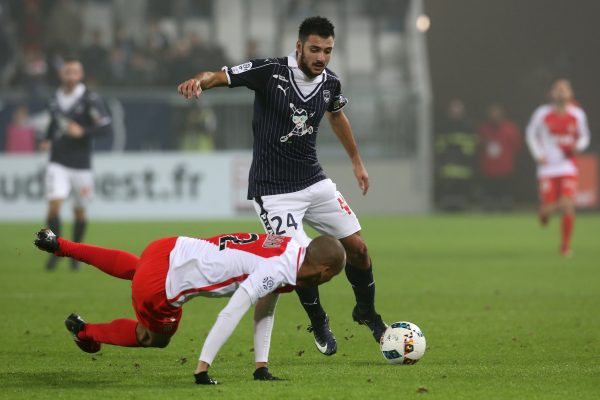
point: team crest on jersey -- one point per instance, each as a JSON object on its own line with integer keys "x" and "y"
{"x": 299, "y": 118}
{"x": 326, "y": 96}
{"x": 238, "y": 69}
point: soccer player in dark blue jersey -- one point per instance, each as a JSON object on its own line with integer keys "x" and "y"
{"x": 286, "y": 182}
{"x": 77, "y": 116}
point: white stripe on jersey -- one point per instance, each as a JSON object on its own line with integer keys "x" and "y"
{"x": 199, "y": 268}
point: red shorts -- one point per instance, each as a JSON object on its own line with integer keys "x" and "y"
{"x": 148, "y": 289}
{"x": 551, "y": 189}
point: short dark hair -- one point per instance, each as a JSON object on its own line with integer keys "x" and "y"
{"x": 315, "y": 26}
{"x": 71, "y": 58}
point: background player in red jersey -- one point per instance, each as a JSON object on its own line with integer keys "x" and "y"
{"x": 555, "y": 134}
{"x": 251, "y": 268}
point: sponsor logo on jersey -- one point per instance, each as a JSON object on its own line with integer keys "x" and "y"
{"x": 326, "y": 96}
{"x": 283, "y": 90}
{"x": 238, "y": 69}
{"x": 280, "y": 77}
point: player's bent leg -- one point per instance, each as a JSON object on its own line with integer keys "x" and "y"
{"x": 359, "y": 272}
{"x": 283, "y": 214}
{"x": 75, "y": 324}
{"x": 147, "y": 338}
{"x": 120, "y": 332}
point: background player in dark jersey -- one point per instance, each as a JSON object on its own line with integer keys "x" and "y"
{"x": 77, "y": 116}
{"x": 286, "y": 182}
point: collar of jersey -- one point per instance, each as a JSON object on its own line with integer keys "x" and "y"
{"x": 67, "y": 101}
{"x": 293, "y": 65}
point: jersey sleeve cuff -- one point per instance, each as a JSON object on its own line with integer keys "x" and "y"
{"x": 226, "y": 70}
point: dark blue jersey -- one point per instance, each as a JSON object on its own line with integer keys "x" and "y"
{"x": 87, "y": 110}
{"x": 288, "y": 109}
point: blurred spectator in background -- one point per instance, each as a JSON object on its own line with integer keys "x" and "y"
{"x": 199, "y": 127}
{"x": 20, "y": 135}
{"x": 454, "y": 154}
{"x": 251, "y": 51}
{"x": 30, "y": 25}
{"x": 556, "y": 133}
{"x": 95, "y": 58}
{"x": 498, "y": 140}
{"x": 33, "y": 71}
{"x": 56, "y": 55}
{"x": 7, "y": 46}
{"x": 64, "y": 25}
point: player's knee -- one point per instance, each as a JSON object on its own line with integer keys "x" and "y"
{"x": 160, "y": 342}
{"x": 357, "y": 253}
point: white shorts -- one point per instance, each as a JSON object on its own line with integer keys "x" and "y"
{"x": 321, "y": 205}
{"x": 61, "y": 181}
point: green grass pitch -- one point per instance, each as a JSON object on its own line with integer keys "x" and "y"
{"x": 504, "y": 316}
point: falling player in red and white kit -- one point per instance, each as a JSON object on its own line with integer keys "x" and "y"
{"x": 251, "y": 268}
{"x": 555, "y": 134}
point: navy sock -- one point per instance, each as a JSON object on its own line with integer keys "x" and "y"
{"x": 309, "y": 297}
{"x": 79, "y": 230}
{"x": 54, "y": 225}
{"x": 363, "y": 286}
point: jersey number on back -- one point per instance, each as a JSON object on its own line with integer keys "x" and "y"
{"x": 237, "y": 240}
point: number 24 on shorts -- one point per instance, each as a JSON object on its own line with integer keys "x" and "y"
{"x": 278, "y": 221}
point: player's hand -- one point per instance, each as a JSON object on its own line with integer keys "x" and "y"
{"x": 360, "y": 172}
{"x": 44, "y": 145}
{"x": 542, "y": 160}
{"x": 75, "y": 130}
{"x": 190, "y": 88}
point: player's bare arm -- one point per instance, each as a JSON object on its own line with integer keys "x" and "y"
{"x": 203, "y": 81}
{"x": 341, "y": 126}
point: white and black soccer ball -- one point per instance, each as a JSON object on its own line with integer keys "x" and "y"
{"x": 403, "y": 343}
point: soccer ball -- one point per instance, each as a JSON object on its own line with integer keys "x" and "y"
{"x": 403, "y": 343}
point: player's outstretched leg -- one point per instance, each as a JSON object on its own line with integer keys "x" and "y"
{"x": 114, "y": 262}
{"x": 319, "y": 321}
{"x": 359, "y": 271}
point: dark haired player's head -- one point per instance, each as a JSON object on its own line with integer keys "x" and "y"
{"x": 316, "y": 26}
{"x": 71, "y": 73}
{"x": 314, "y": 46}
{"x": 325, "y": 258}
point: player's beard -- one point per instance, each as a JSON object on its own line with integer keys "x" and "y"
{"x": 305, "y": 68}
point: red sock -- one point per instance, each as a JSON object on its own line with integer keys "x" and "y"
{"x": 568, "y": 220}
{"x": 114, "y": 262}
{"x": 120, "y": 332}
